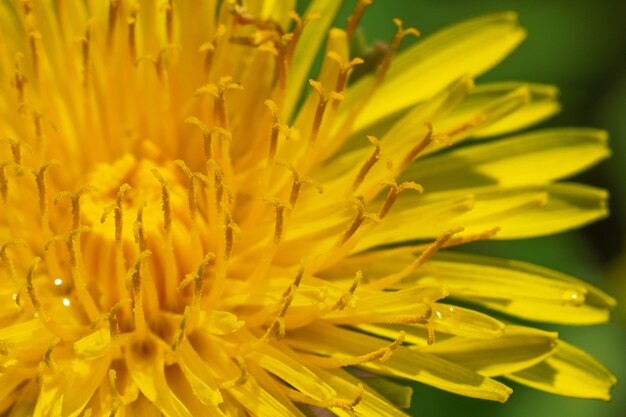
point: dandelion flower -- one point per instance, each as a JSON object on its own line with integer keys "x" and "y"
{"x": 190, "y": 226}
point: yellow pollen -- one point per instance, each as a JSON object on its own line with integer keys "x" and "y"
{"x": 138, "y": 228}
{"x": 75, "y": 202}
{"x": 117, "y": 211}
{"x": 197, "y": 277}
{"x": 16, "y": 150}
{"x": 230, "y": 230}
{"x": 4, "y": 182}
{"x": 191, "y": 187}
{"x": 206, "y": 134}
{"x": 179, "y": 334}
{"x": 32, "y": 292}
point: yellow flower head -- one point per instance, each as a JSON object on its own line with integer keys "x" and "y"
{"x": 189, "y": 226}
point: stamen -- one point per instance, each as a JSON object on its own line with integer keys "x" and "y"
{"x": 355, "y": 17}
{"x": 321, "y": 108}
{"x": 33, "y": 37}
{"x": 114, "y": 327}
{"x": 116, "y": 398}
{"x": 381, "y": 354}
{"x": 348, "y": 405}
{"x": 279, "y": 222}
{"x": 179, "y": 334}
{"x": 19, "y": 79}
{"x": 47, "y": 361}
{"x": 41, "y": 188}
{"x": 230, "y": 229}
{"x": 239, "y": 380}
{"x": 361, "y": 215}
{"x": 169, "y": 20}
{"x": 132, "y": 28}
{"x": 417, "y": 149}
{"x": 481, "y": 118}
{"x": 206, "y": 134}
{"x": 113, "y": 13}
{"x": 6, "y": 261}
{"x": 4, "y": 182}
{"x": 138, "y": 229}
{"x": 209, "y": 48}
{"x": 197, "y": 277}
{"x": 165, "y": 201}
{"x": 345, "y": 68}
{"x": 220, "y": 184}
{"x": 134, "y": 278}
{"x": 348, "y": 297}
{"x": 277, "y": 128}
{"x": 191, "y": 187}
{"x": 462, "y": 240}
{"x": 85, "y": 41}
{"x": 16, "y": 151}
{"x": 219, "y": 93}
{"x": 342, "y": 403}
{"x": 296, "y": 186}
{"x": 394, "y": 191}
{"x": 32, "y": 292}
{"x": 427, "y": 253}
{"x": 393, "y": 48}
{"x": 368, "y": 164}
{"x": 116, "y": 208}
{"x": 75, "y": 201}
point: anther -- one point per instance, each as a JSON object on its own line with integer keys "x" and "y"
{"x": 321, "y": 108}
{"x": 165, "y": 200}
{"x": 426, "y": 254}
{"x": 481, "y": 118}
{"x": 462, "y": 240}
{"x": 418, "y": 148}
{"x": 169, "y": 20}
{"x": 361, "y": 215}
{"x": 348, "y": 297}
{"x": 112, "y": 21}
{"x": 206, "y": 134}
{"x": 138, "y": 229}
{"x": 277, "y": 128}
{"x": 230, "y": 230}
{"x": 33, "y": 37}
{"x": 296, "y": 185}
{"x": 6, "y": 261}
{"x": 114, "y": 327}
{"x": 191, "y": 186}
{"x": 381, "y": 354}
{"x": 117, "y": 211}
{"x": 209, "y": 49}
{"x": 179, "y": 334}
{"x": 355, "y": 17}
{"x": 41, "y": 186}
{"x": 19, "y": 79}
{"x": 134, "y": 278}
{"x": 4, "y": 182}
{"x": 47, "y": 361}
{"x": 276, "y": 330}
{"x": 218, "y": 91}
{"x": 16, "y": 150}
{"x": 241, "y": 379}
{"x": 85, "y": 43}
{"x": 197, "y": 277}
{"x": 393, "y": 47}
{"x": 279, "y": 208}
{"x": 345, "y": 68}
{"x": 368, "y": 164}
{"x": 394, "y": 191}
{"x": 75, "y": 201}
{"x": 220, "y": 184}
{"x": 132, "y": 29}
{"x": 30, "y": 288}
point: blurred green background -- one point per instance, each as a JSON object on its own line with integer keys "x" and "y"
{"x": 580, "y": 47}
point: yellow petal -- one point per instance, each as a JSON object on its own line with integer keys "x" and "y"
{"x": 571, "y": 372}
{"x": 532, "y": 158}
{"x": 517, "y": 349}
{"x": 517, "y": 288}
{"x": 404, "y": 363}
{"x": 94, "y": 344}
{"x": 542, "y": 104}
{"x": 519, "y": 212}
{"x": 198, "y": 374}
{"x": 471, "y": 47}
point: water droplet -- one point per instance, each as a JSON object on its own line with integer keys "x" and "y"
{"x": 58, "y": 282}
{"x": 439, "y": 314}
{"x": 14, "y": 296}
{"x": 574, "y": 297}
{"x": 66, "y": 302}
